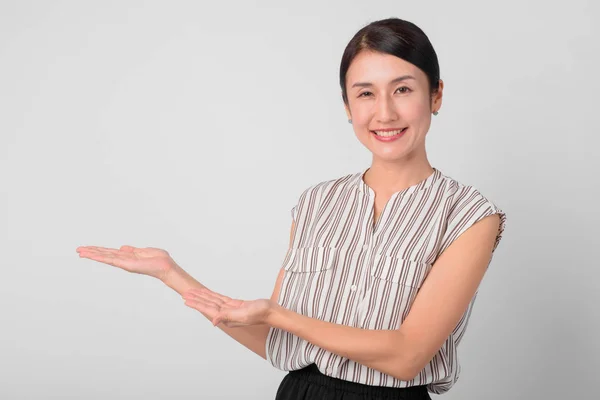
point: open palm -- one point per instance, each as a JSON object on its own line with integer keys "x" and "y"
{"x": 147, "y": 261}
{"x": 230, "y": 312}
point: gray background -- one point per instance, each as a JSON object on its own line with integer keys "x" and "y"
{"x": 194, "y": 128}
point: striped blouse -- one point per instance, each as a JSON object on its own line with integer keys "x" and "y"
{"x": 342, "y": 269}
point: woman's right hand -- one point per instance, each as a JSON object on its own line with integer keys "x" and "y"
{"x": 146, "y": 261}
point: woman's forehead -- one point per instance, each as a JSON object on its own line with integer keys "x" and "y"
{"x": 380, "y": 68}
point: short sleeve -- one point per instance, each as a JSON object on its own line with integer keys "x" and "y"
{"x": 302, "y": 212}
{"x": 307, "y": 198}
{"x": 470, "y": 206}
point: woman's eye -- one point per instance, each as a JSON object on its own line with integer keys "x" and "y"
{"x": 402, "y": 89}
{"x": 405, "y": 89}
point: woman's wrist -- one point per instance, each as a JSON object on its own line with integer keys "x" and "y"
{"x": 179, "y": 280}
{"x": 275, "y": 315}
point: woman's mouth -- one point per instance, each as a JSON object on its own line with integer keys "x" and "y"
{"x": 388, "y": 135}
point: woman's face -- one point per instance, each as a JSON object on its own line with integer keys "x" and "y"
{"x": 390, "y": 104}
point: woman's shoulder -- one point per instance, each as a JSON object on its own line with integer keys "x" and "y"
{"x": 462, "y": 193}
{"x": 465, "y": 206}
{"x": 336, "y": 183}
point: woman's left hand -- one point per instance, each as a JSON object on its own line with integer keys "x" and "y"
{"x": 230, "y": 312}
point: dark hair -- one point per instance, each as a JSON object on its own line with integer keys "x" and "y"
{"x": 399, "y": 38}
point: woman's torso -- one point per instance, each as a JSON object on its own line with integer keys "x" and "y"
{"x": 348, "y": 266}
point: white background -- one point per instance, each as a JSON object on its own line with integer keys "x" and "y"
{"x": 194, "y": 127}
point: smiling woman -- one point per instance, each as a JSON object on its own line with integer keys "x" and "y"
{"x": 396, "y": 98}
{"x": 377, "y": 287}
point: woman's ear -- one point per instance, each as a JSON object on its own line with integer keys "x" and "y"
{"x": 437, "y": 97}
{"x": 348, "y": 113}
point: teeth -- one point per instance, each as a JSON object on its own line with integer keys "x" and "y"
{"x": 389, "y": 133}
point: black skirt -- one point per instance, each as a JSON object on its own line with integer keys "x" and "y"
{"x": 310, "y": 384}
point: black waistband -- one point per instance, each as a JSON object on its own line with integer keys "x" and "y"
{"x": 311, "y": 374}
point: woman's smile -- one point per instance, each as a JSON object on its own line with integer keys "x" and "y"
{"x": 388, "y": 135}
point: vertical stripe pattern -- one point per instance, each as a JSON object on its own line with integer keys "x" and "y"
{"x": 344, "y": 269}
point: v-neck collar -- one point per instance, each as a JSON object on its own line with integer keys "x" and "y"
{"x": 362, "y": 187}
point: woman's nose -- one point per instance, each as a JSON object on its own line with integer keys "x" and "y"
{"x": 385, "y": 110}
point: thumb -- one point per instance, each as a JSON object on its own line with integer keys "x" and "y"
{"x": 127, "y": 248}
{"x": 221, "y": 317}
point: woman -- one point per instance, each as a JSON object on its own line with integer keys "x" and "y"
{"x": 383, "y": 266}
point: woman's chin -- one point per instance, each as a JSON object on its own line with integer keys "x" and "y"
{"x": 388, "y": 152}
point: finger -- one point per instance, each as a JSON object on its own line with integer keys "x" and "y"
{"x": 222, "y": 297}
{"x": 99, "y": 252}
{"x": 112, "y": 252}
{"x": 199, "y": 303}
{"x": 234, "y": 303}
{"x": 92, "y": 252}
{"x": 97, "y": 248}
{"x": 110, "y": 259}
{"x": 215, "y": 294}
{"x": 208, "y": 302}
{"x": 208, "y": 297}
{"x": 193, "y": 294}
{"x": 205, "y": 308}
{"x": 128, "y": 249}
{"x": 224, "y": 301}
{"x": 105, "y": 258}
{"x": 220, "y": 318}
{"x": 205, "y": 292}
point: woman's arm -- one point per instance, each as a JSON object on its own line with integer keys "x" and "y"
{"x": 157, "y": 263}
{"x": 253, "y": 337}
{"x": 401, "y": 353}
{"x": 438, "y": 307}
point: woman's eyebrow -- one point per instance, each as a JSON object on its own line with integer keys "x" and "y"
{"x": 393, "y": 81}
